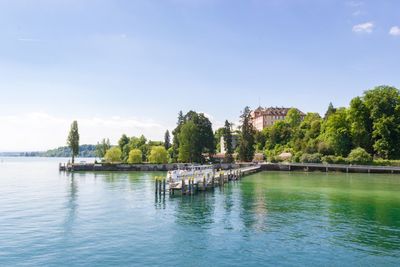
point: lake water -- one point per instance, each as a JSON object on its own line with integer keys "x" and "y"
{"x": 49, "y": 218}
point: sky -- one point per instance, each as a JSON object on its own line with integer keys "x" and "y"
{"x": 129, "y": 66}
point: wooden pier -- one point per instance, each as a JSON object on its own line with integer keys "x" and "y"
{"x": 190, "y": 185}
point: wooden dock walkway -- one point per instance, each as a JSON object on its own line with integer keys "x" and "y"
{"x": 191, "y": 185}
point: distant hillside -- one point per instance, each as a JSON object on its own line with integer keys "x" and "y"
{"x": 85, "y": 151}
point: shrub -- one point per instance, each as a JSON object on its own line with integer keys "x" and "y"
{"x": 158, "y": 155}
{"x": 311, "y": 158}
{"x": 334, "y": 160}
{"x": 297, "y": 156}
{"x": 359, "y": 156}
{"x": 113, "y": 155}
{"x": 135, "y": 156}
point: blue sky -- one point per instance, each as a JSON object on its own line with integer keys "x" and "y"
{"x": 130, "y": 66}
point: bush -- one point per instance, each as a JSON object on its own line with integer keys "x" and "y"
{"x": 359, "y": 156}
{"x": 135, "y": 156}
{"x": 158, "y": 155}
{"x": 113, "y": 155}
{"x": 296, "y": 158}
{"x": 334, "y": 160}
{"x": 311, "y": 158}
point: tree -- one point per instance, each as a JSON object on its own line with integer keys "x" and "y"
{"x": 73, "y": 140}
{"x": 360, "y": 124}
{"x": 246, "y": 141}
{"x": 188, "y": 140}
{"x": 140, "y": 143}
{"x": 383, "y": 103}
{"x": 293, "y": 117}
{"x": 331, "y": 110}
{"x": 158, "y": 155}
{"x": 175, "y": 132}
{"x": 228, "y": 142}
{"x": 336, "y": 132}
{"x": 102, "y": 147}
{"x": 123, "y": 145}
{"x": 217, "y": 138}
{"x": 167, "y": 141}
{"x": 113, "y": 155}
{"x": 135, "y": 156}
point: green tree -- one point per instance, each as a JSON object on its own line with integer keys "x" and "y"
{"x": 331, "y": 110}
{"x": 360, "y": 124}
{"x": 336, "y": 132}
{"x": 175, "y": 133}
{"x": 167, "y": 141}
{"x": 383, "y": 103}
{"x": 73, "y": 140}
{"x": 123, "y": 144}
{"x": 217, "y": 138}
{"x": 113, "y": 155}
{"x": 158, "y": 155}
{"x": 227, "y": 134}
{"x": 102, "y": 147}
{"x": 135, "y": 156}
{"x": 293, "y": 118}
{"x": 188, "y": 140}
{"x": 246, "y": 140}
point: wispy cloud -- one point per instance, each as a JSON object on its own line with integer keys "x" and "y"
{"x": 366, "y": 27}
{"x": 395, "y": 31}
{"x": 32, "y": 40}
{"x": 354, "y": 3}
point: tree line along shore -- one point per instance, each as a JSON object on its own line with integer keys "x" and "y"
{"x": 365, "y": 132}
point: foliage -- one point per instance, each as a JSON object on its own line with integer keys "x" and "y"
{"x": 167, "y": 140}
{"x": 188, "y": 140}
{"x": 158, "y": 155}
{"x": 73, "y": 140}
{"x": 123, "y": 145}
{"x": 336, "y": 132}
{"x": 227, "y": 134}
{"x": 102, "y": 147}
{"x": 113, "y": 155}
{"x": 193, "y": 137}
{"x": 135, "y": 156}
{"x": 246, "y": 139}
{"x": 311, "y": 158}
{"x": 334, "y": 160}
{"x": 359, "y": 156}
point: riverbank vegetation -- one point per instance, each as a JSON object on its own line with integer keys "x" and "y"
{"x": 366, "y": 132}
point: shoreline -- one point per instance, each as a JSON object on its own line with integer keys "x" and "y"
{"x": 302, "y": 167}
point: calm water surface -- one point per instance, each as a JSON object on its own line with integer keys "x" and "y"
{"x": 49, "y": 218}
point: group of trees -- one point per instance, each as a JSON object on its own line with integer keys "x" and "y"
{"x": 370, "y": 126}
{"x": 193, "y": 138}
{"x": 133, "y": 150}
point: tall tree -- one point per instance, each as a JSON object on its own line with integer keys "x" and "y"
{"x": 246, "y": 142}
{"x": 188, "y": 140}
{"x": 360, "y": 124}
{"x": 123, "y": 144}
{"x": 227, "y": 134}
{"x": 102, "y": 147}
{"x": 336, "y": 132}
{"x": 175, "y": 133}
{"x": 167, "y": 141}
{"x": 73, "y": 140}
{"x": 383, "y": 102}
{"x": 330, "y": 111}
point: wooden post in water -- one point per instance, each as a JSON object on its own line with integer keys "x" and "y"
{"x": 204, "y": 183}
{"x": 156, "y": 184}
{"x": 164, "y": 184}
{"x": 183, "y": 185}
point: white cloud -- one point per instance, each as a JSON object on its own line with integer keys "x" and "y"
{"x": 40, "y": 131}
{"x": 367, "y": 27}
{"x": 395, "y": 31}
{"x": 355, "y": 3}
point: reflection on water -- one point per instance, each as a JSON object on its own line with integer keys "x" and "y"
{"x": 104, "y": 218}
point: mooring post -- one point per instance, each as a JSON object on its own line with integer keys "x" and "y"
{"x": 204, "y": 183}
{"x": 183, "y": 185}
{"x": 164, "y": 184}
{"x": 156, "y": 184}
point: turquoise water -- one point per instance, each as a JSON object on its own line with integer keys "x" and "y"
{"x": 49, "y": 218}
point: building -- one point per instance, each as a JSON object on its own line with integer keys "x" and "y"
{"x": 235, "y": 141}
{"x": 264, "y": 117}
